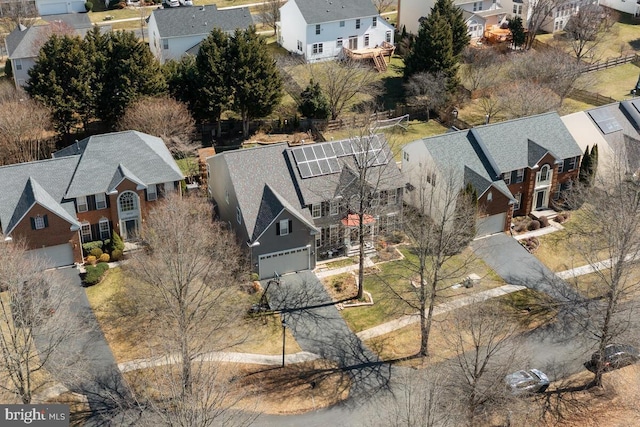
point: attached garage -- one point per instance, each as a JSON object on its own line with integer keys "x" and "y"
{"x": 284, "y": 262}
{"x": 490, "y": 224}
{"x": 52, "y": 8}
{"x": 54, "y": 256}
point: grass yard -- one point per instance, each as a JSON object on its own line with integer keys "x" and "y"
{"x": 623, "y": 39}
{"x": 133, "y": 331}
{"x": 615, "y": 82}
{"x": 395, "y": 278}
{"x": 527, "y": 307}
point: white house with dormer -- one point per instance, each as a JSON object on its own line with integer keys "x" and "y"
{"x": 320, "y": 29}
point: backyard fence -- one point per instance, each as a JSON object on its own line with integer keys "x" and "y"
{"x": 590, "y": 97}
{"x": 612, "y": 62}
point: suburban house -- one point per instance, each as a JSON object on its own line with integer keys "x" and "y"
{"x": 57, "y": 7}
{"x": 327, "y": 29}
{"x": 24, "y": 43}
{"x": 174, "y": 31}
{"x": 101, "y": 184}
{"x": 615, "y": 129}
{"x": 632, "y": 8}
{"x": 292, "y": 205}
{"x": 516, "y": 167}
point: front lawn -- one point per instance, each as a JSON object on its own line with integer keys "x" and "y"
{"x": 132, "y": 331}
{"x": 395, "y": 277}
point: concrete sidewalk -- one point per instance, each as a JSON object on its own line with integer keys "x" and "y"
{"x": 335, "y": 271}
{"x": 403, "y": 321}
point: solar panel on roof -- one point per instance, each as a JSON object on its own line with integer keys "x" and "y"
{"x": 324, "y": 166}
{"x": 328, "y": 150}
{"x": 346, "y": 146}
{"x": 319, "y": 152}
{"x": 636, "y": 105}
{"x": 305, "y": 170}
{"x": 298, "y": 154}
{"x": 337, "y": 148}
{"x": 315, "y": 168}
{"x": 605, "y": 121}
{"x": 375, "y": 143}
{"x": 309, "y": 154}
{"x": 334, "y": 165}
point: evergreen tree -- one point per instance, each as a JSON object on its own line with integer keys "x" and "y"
{"x": 130, "y": 72}
{"x": 182, "y": 81}
{"x": 255, "y": 78}
{"x": 459, "y": 30}
{"x": 314, "y": 104}
{"x": 586, "y": 167}
{"x": 213, "y": 73}
{"x": 61, "y": 79}
{"x": 8, "y": 71}
{"x": 95, "y": 46}
{"x": 432, "y": 50}
{"x": 517, "y": 31}
{"x": 594, "y": 162}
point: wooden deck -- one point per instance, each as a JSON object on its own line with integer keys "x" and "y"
{"x": 381, "y": 55}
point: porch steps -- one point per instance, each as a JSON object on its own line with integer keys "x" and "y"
{"x": 380, "y": 63}
{"x": 355, "y": 250}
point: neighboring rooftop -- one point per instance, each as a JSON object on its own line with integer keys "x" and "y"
{"x": 319, "y": 11}
{"x": 200, "y": 20}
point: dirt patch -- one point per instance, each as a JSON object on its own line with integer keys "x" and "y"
{"x": 341, "y": 286}
{"x": 262, "y": 138}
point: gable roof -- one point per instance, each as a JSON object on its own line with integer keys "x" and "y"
{"x": 190, "y": 21}
{"x": 25, "y": 42}
{"x": 74, "y": 20}
{"x": 43, "y": 182}
{"x": 273, "y": 169}
{"x": 142, "y": 158}
{"x": 319, "y": 11}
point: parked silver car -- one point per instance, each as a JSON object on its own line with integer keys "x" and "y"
{"x": 615, "y": 356}
{"x": 525, "y": 382}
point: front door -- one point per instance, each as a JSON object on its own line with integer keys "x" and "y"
{"x": 540, "y": 199}
{"x": 131, "y": 228}
{"x": 353, "y": 42}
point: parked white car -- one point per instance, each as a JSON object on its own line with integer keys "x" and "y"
{"x": 186, "y": 2}
{"x": 171, "y": 3}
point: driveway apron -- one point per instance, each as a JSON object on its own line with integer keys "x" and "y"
{"x": 517, "y": 266}
{"x": 96, "y": 375}
{"x": 318, "y": 328}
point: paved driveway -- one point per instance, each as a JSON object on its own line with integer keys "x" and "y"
{"x": 318, "y": 328}
{"x": 96, "y": 374}
{"x": 517, "y": 266}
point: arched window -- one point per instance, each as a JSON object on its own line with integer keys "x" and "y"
{"x": 127, "y": 202}
{"x": 544, "y": 173}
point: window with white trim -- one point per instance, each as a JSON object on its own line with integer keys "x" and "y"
{"x": 39, "y": 222}
{"x": 103, "y": 227}
{"x": 127, "y": 202}
{"x": 284, "y": 227}
{"x": 392, "y": 197}
{"x": 334, "y": 206}
{"x": 375, "y": 22}
{"x": 85, "y": 231}
{"x": 405, "y": 155}
{"x": 81, "y": 204}
{"x": 561, "y": 167}
{"x": 339, "y": 43}
{"x": 489, "y": 196}
{"x": 333, "y": 233}
{"x": 518, "y": 197}
{"x": 238, "y": 215}
{"x": 316, "y": 210}
{"x": 299, "y": 45}
{"x": 316, "y": 48}
{"x": 572, "y": 163}
{"x": 165, "y": 44}
{"x": 341, "y": 23}
{"x": 387, "y": 36}
{"x": 101, "y": 201}
{"x": 366, "y": 40}
{"x": 507, "y": 178}
{"x": 519, "y": 176}
{"x": 357, "y": 24}
{"x": 18, "y": 64}
{"x": 317, "y": 28}
{"x": 477, "y": 6}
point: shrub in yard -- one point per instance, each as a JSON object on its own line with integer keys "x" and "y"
{"x": 91, "y": 259}
{"x": 96, "y": 252}
{"x": 544, "y": 221}
{"x": 95, "y": 272}
{"x": 116, "y": 242}
{"x": 520, "y": 227}
{"x": 87, "y": 247}
{"x": 104, "y": 258}
{"x": 8, "y": 71}
{"x": 116, "y": 255}
{"x": 88, "y": 6}
{"x": 534, "y": 225}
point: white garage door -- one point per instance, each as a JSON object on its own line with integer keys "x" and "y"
{"x": 490, "y": 224}
{"x": 283, "y": 262}
{"x": 78, "y": 6}
{"x": 54, "y": 256}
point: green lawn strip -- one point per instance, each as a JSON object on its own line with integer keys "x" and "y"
{"x": 395, "y": 278}
{"x": 529, "y": 308}
{"x": 131, "y": 332}
{"x": 341, "y": 263}
{"x": 615, "y": 82}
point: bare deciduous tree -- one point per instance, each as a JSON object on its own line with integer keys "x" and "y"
{"x": 165, "y": 118}
{"x": 482, "y": 67}
{"x": 191, "y": 265}
{"x": 24, "y": 127}
{"x": 383, "y": 5}
{"x": 525, "y": 98}
{"x": 538, "y": 12}
{"x": 35, "y": 324}
{"x": 427, "y": 90}
{"x": 587, "y": 28}
{"x": 491, "y": 104}
{"x": 270, "y": 14}
{"x": 609, "y": 227}
{"x": 343, "y": 81}
{"x": 485, "y": 352}
{"x": 440, "y": 224}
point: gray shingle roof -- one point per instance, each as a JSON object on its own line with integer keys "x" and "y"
{"x": 622, "y": 141}
{"x": 508, "y": 142}
{"x": 274, "y": 167}
{"x": 74, "y": 20}
{"x": 189, "y": 21}
{"x": 44, "y": 182}
{"x": 25, "y": 42}
{"x": 319, "y": 11}
{"x": 142, "y": 156}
